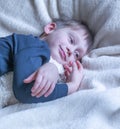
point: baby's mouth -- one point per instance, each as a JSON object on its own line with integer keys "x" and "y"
{"x": 62, "y": 53}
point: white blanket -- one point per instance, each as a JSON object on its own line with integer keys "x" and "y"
{"x": 97, "y": 104}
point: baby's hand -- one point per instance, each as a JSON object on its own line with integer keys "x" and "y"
{"x": 45, "y": 79}
{"x": 75, "y": 77}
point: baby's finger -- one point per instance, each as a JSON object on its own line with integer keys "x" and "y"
{"x": 30, "y": 78}
{"x": 44, "y": 90}
{"x": 39, "y": 88}
{"x": 66, "y": 67}
{"x": 67, "y": 74}
{"x": 50, "y": 90}
{"x": 37, "y": 83}
{"x": 78, "y": 64}
{"x": 70, "y": 63}
{"x": 74, "y": 66}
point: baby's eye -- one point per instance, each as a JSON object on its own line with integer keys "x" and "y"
{"x": 77, "y": 54}
{"x": 71, "y": 40}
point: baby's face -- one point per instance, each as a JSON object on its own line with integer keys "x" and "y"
{"x": 67, "y": 45}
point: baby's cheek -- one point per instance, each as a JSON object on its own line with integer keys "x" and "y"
{"x": 71, "y": 59}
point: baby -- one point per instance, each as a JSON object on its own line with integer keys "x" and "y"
{"x": 28, "y": 56}
{"x": 84, "y": 43}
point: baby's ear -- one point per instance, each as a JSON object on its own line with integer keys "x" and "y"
{"x": 49, "y": 28}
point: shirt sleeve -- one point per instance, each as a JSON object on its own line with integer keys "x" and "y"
{"x": 24, "y": 94}
{"x": 6, "y": 54}
{"x": 25, "y": 66}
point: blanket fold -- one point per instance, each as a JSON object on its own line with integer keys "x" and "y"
{"x": 97, "y": 103}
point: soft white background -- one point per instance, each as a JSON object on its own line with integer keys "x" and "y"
{"x": 95, "y": 107}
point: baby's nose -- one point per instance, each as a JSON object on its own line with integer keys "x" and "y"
{"x": 68, "y": 52}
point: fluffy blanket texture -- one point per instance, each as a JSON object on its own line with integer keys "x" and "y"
{"x": 97, "y": 104}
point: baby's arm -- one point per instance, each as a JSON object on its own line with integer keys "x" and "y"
{"x": 74, "y": 76}
{"x": 45, "y": 80}
{"x": 22, "y": 90}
